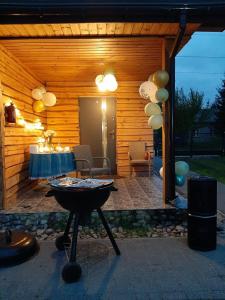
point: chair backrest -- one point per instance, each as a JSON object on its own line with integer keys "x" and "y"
{"x": 137, "y": 150}
{"x": 83, "y": 152}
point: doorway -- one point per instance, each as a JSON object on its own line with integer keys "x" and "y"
{"x": 98, "y": 126}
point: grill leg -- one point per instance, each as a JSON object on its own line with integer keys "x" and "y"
{"x": 72, "y": 270}
{"x": 105, "y": 224}
{"x": 68, "y": 225}
{"x": 73, "y": 253}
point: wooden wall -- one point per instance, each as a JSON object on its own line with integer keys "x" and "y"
{"x": 130, "y": 118}
{"x": 17, "y": 83}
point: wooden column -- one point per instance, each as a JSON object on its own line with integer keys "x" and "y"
{"x": 167, "y": 132}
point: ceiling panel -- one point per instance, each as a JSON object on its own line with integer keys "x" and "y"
{"x": 82, "y": 59}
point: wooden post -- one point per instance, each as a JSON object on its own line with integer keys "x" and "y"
{"x": 167, "y": 132}
{"x": 169, "y": 111}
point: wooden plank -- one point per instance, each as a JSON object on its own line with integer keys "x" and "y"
{"x": 56, "y": 59}
{"x": 13, "y": 170}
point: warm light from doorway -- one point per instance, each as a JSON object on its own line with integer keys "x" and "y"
{"x": 104, "y": 105}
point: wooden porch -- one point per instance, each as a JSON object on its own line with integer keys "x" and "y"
{"x": 65, "y": 58}
{"x": 134, "y": 193}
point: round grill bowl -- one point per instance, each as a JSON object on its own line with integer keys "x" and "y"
{"x": 78, "y": 200}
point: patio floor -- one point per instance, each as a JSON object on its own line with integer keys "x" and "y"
{"x": 133, "y": 193}
{"x": 147, "y": 269}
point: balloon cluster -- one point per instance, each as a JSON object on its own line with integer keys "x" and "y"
{"x": 154, "y": 90}
{"x": 42, "y": 99}
{"x": 181, "y": 170}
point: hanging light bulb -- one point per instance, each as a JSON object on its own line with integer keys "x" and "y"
{"x": 110, "y": 82}
{"x": 106, "y": 82}
{"x": 113, "y": 86}
{"x": 99, "y": 79}
{"x": 102, "y": 86}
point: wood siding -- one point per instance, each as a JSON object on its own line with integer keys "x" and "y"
{"x": 17, "y": 83}
{"x": 131, "y": 122}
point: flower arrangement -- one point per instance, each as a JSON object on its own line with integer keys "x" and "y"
{"x": 48, "y": 134}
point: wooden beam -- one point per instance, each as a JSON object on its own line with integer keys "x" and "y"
{"x": 168, "y": 180}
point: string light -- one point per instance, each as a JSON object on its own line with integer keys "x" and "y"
{"x": 29, "y": 126}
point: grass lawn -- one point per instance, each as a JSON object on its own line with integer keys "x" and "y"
{"x": 210, "y": 166}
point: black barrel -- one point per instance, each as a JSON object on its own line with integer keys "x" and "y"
{"x": 202, "y": 209}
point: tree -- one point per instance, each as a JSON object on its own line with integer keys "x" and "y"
{"x": 190, "y": 112}
{"x": 219, "y": 106}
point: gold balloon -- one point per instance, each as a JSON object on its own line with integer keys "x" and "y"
{"x": 38, "y": 106}
{"x": 152, "y": 109}
{"x": 161, "y": 78}
{"x": 162, "y": 95}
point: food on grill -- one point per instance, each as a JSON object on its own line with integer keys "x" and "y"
{"x": 71, "y": 182}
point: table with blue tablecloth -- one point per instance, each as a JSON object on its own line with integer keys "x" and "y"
{"x": 47, "y": 165}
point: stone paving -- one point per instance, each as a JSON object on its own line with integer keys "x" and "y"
{"x": 133, "y": 193}
{"x": 147, "y": 269}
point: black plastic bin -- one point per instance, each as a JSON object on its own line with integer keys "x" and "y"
{"x": 202, "y": 209}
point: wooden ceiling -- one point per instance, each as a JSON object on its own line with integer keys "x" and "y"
{"x": 89, "y": 29}
{"x": 79, "y": 52}
{"x": 83, "y": 59}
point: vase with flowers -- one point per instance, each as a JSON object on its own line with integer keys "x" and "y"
{"x": 48, "y": 134}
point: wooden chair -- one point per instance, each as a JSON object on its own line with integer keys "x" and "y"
{"x": 85, "y": 162}
{"x": 138, "y": 156}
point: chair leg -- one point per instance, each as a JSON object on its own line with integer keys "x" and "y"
{"x": 73, "y": 253}
{"x": 105, "y": 224}
{"x": 131, "y": 170}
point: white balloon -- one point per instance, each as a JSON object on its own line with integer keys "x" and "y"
{"x": 49, "y": 99}
{"x": 145, "y": 89}
{"x": 42, "y": 89}
{"x": 152, "y": 109}
{"x": 152, "y": 94}
{"x": 155, "y": 121}
{"x": 37, "y": 94}
{"x": 161, "y": 171}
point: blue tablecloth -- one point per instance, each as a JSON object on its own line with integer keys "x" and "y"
{"x": 47, "y": 165}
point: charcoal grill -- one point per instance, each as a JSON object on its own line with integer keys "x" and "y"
{"x": 80, "y": 202}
